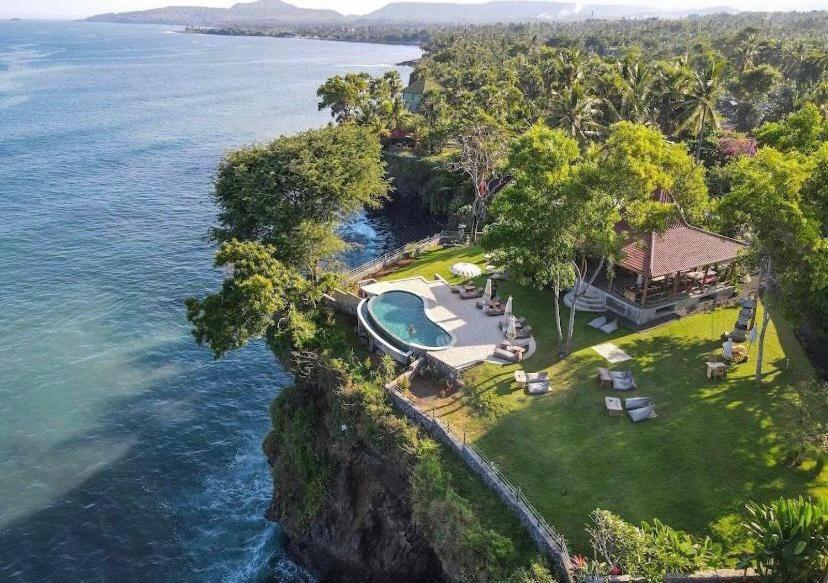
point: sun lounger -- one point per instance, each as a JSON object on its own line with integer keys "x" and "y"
{"x": 738, "y": 335}
{"x": 483, "y": 304}
{"x": 494, "y": 311}
{"x": 524, "y": 343}
{"x": 466, "y": 295}
{"x": 637, "y": 403}
{"x": 456, "y": 289}
{"x": 519, "y": 322}
{"x": 642, "y": 414}
{"x": 524, "y": 332}
{"x": 537, "y": 388}
{"x": 523, "y": 378}
{"x": 623, "y": 384}
{"x": 609, "y": 327}
{"x": 597, "y": 322}
{"x": 508, "y": 355}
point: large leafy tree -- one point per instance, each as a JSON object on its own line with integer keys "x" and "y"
{"x": 261, "y": 297}
{"x": 636, "y": 162}
{"x": 292, "y": 192}
{"x": 532, "y": 227}
{"x": 372, "y": 101}
{"x": 766, "y": 203}
{"x": 804, "y": 131}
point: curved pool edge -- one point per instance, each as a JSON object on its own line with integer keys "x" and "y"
{"x": 384, "y": 345}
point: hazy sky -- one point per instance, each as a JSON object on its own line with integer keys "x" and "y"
{"x": 78, "y": 8}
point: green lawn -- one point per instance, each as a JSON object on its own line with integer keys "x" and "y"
{"x": 714, "y": 445}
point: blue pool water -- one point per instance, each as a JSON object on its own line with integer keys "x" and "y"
{"x": 126, "y": 452}
{"x": 402, "y": 315}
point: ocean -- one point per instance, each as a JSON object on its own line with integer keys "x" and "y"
{"x": 126, "y": 452}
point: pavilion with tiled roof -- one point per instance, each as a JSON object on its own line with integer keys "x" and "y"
{"x": 681, "y": 259}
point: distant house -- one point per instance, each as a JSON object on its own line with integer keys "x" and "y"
{"x": 412, "y": 95}
{"x": 665, "y": 274}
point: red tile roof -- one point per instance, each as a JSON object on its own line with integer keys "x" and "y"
{"x": 680, "y": 248}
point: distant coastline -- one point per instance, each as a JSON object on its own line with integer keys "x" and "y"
{"x": 295, "y": 34}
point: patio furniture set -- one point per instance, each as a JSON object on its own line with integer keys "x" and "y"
{"x": 637, "y": 408}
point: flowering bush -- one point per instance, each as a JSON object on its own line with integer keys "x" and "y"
{"x": 733, "y": 145}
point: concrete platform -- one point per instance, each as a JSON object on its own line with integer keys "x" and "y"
{"x": 477, "y": 334}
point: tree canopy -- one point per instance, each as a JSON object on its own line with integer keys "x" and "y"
{"x": 292, "y": 192}
{"x": 262, "y": 296}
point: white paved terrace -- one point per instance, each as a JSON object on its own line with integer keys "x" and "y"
{"x": 477, "y": 334}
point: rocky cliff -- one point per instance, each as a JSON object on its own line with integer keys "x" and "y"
{"x": 365, "y": 497}
{"x": 344, "y": 502}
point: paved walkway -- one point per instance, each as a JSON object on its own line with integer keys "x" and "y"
{"x": 477, "y": 334}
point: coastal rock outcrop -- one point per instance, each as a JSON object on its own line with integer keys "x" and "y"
{"x": 341, "y": 492}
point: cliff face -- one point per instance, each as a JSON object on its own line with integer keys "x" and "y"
{"x": 344, "y": 503}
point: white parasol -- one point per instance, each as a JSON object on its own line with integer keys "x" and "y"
{"x": 508, "y": 309}
{"x": 466, "y": 270}
{"x": 487, "y": 292}
{"x": 511, "y": 329}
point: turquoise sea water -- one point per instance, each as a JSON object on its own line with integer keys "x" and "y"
{"x": 126, "y": 453}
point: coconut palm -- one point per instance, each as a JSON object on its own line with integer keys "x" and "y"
{"x": 576, "y": 112}
{"x": 633, "y": 83}
{"x": 701, "y": 102}
{"x": 672, "y": 81}
{"x": 747, "y": 49}
{"x": 570, "y": 66}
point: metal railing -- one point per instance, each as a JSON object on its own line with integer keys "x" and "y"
{"x": 520, "y": 496}
{"x": 355, "y": 274}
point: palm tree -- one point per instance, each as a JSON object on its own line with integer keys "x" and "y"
{"x": 747, "y": 49}
{"x": 575, "y": 111}
{"x": 569, "y": 67}
{"x": 634, "y": 92}
{"x": 701, "y": 101}
{"x": 672, "y": 81}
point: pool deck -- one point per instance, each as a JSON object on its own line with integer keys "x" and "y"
{"x": 477, "y": 334}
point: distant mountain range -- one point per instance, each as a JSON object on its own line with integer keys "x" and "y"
{"x": 260, "y": 11}
{"x": 277, "y": 11}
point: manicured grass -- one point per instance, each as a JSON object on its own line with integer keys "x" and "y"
{"x": 439, "y": 261}
{"x": 715, "y": 444}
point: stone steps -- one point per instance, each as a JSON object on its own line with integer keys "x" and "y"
{"x": 588, "y": 302}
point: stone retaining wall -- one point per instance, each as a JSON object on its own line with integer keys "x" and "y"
{"x": 717, "y": 576}
{"x": 343, "y": 301}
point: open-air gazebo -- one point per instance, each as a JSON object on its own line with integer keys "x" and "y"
{"x": 666, "y": 273}
{"x": 683, "y": 260}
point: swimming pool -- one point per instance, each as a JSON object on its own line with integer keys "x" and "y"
{"x": 401, "y": 316}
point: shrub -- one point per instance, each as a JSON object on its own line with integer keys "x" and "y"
{"x": 535, "y": 573}
{"x": 790, "y": 540}
{"x": 804, "y": 421}
{"x": 387, "y": 368}
{"x": 404, "y": 384}
{"x": 650, "y": 551}
{"x": 467, "y": 549}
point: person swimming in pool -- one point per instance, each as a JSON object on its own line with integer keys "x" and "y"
{"x": 411, "y": 329}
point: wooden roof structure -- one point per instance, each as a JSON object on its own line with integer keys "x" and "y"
{"x": 680, "y": 248}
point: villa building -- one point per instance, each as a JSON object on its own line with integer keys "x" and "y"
{"x": 665, "y": 274}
